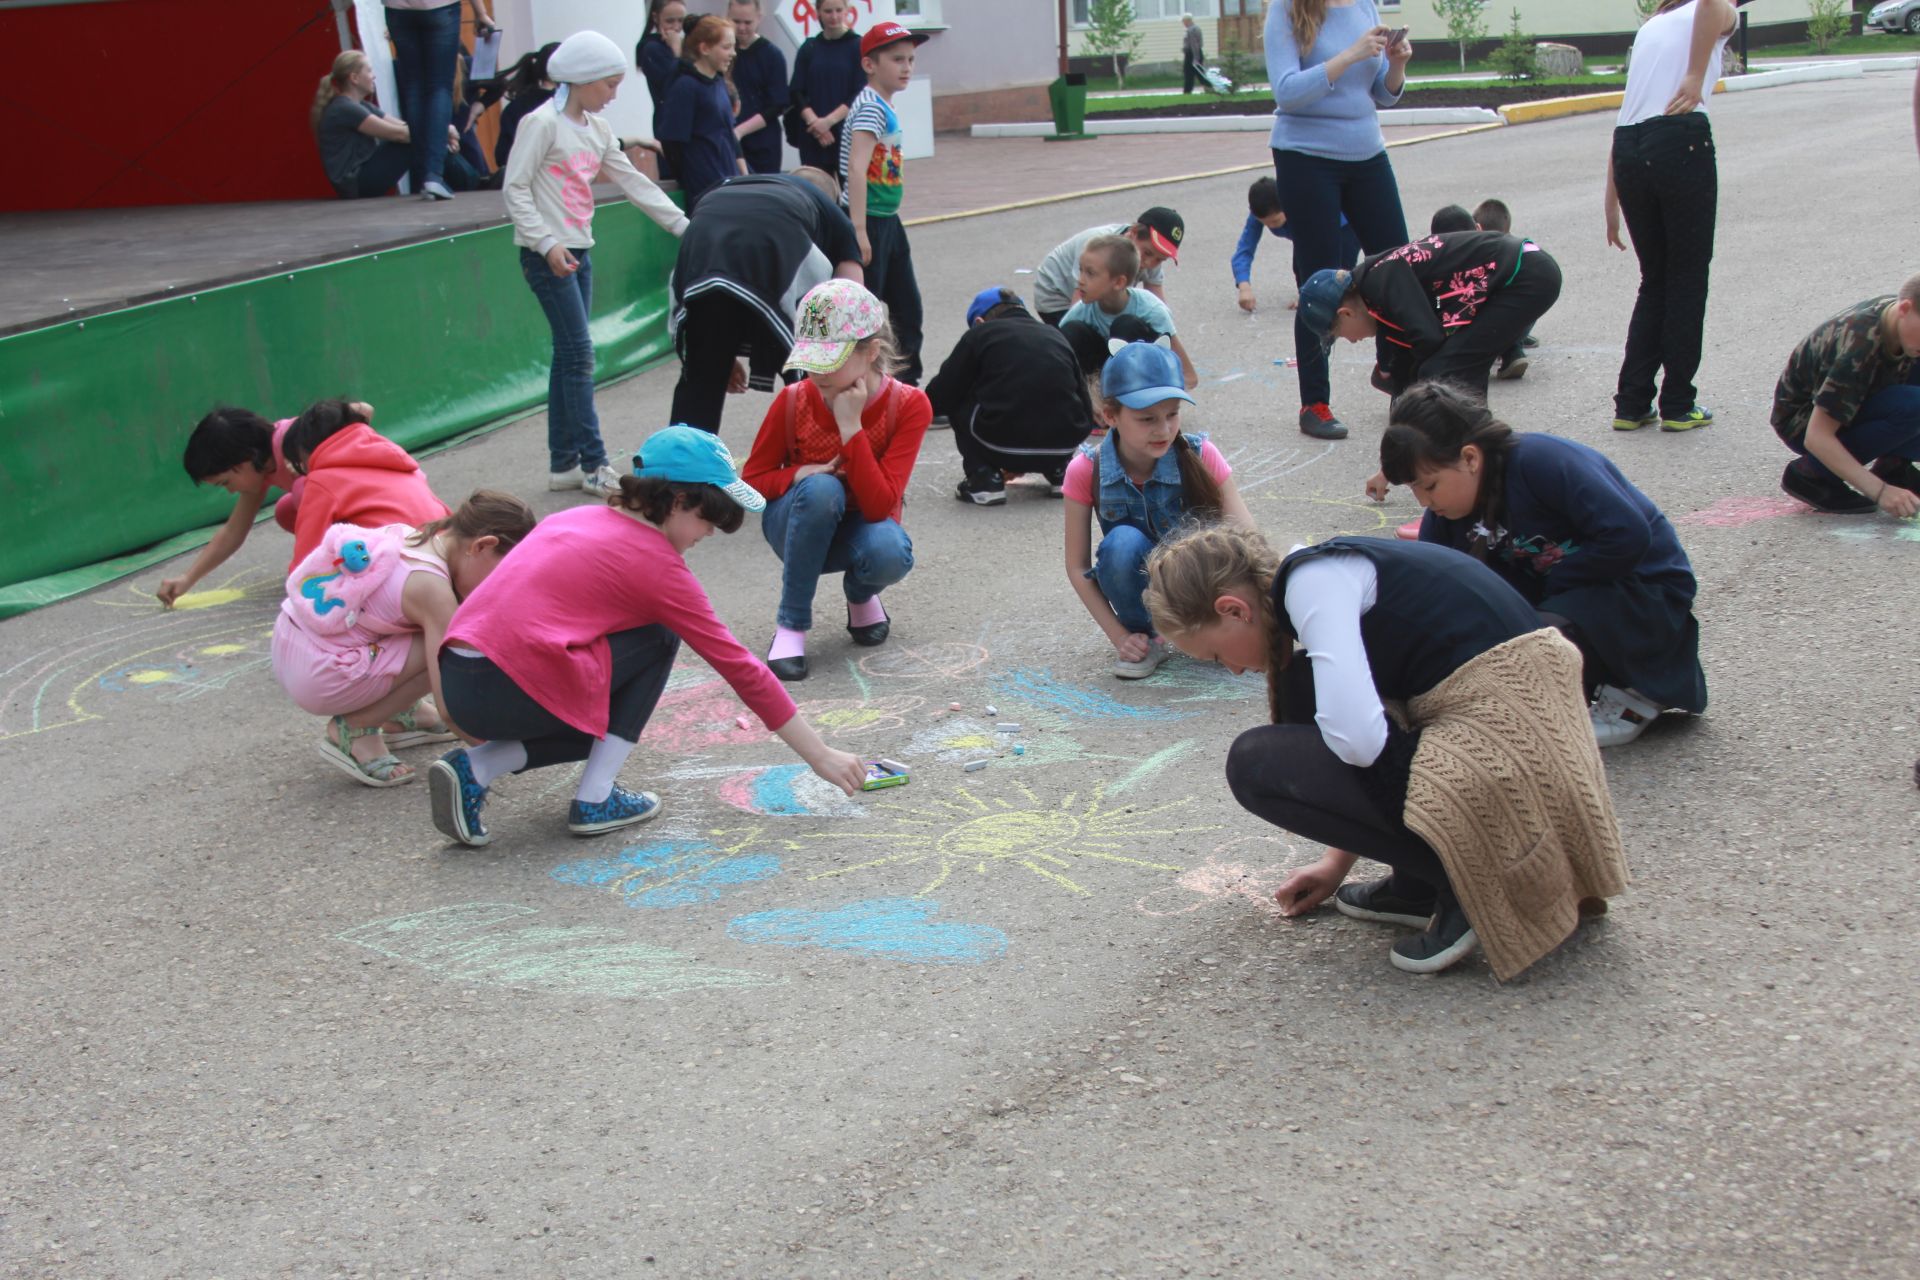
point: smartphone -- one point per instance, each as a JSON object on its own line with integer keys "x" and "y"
{"x": 1396, "y": 35}
{"x": 885, "y": 773}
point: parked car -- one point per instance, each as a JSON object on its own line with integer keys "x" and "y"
{"x": 1896, "y": 15}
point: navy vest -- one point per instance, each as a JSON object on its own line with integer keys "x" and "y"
{"x": 1436, "y": 610}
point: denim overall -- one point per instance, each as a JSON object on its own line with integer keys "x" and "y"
{"x": 1133, "y": 520}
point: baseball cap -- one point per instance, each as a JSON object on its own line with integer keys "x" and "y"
{"x": 989, "y": 298}
{"x": 1320, "y": 298}
{"x": 1165, "y": 228}
{"x": 1143, "y": 373}
{"x": 688, "y": 455}
{"x": 887, "y": 33}
{"x": 834, "y": 315}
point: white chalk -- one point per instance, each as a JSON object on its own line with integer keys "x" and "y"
{"x": 1232, "y": 376}
{"x": 1007, "y": 726}
{"x": 975, "y": 766}
{"x": 992, "y": 712}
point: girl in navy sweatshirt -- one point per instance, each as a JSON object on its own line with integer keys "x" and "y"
{"x": 1559, "y": 522}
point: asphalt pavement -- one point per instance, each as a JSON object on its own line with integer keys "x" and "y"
{"x": 1039, "y": 1019}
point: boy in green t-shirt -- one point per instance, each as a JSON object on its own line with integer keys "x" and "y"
{"x": 871, "y": 181}
{"x": 1847, "y": 399}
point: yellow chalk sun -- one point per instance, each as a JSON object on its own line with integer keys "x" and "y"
{"x": 209, "y": 599}
{"x": 149, "y": 676}
{"x": 222, "y": 650}
{"x": 975, "y": 833}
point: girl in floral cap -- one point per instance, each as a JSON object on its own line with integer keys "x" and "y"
{"x": 1559, "y": 522}
{"x": 833, "y": 458}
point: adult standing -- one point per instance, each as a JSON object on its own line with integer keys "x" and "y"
{"x": 1192, "y": 53}
{"x": 753, "y": 249}
{"x": 827, "y": 77}
{"x": 1332, "y": 65}
{"x": 1661, "y": 174}
{"x": 760, "y": 78}
{"x": 426, "y": 40}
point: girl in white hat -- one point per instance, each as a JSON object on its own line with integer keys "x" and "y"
{"x": 561, "y": 149}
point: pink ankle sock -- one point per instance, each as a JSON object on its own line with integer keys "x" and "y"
{"x": 788, "y": 643}
{"x": 865, "y": 615}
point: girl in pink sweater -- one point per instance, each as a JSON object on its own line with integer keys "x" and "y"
{"x": 562, "y": 654}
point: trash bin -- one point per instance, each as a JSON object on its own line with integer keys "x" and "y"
{"x": 1068, "y": 96}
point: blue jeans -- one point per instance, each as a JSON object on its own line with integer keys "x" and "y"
{"x": 1887, "y": 426}
{"x": 573, "y": 426}
{"x": 812, "y": 530}
{"x": 1120, "y": 567}
{"x": 425, "y": 44}
{"x": 1315, "y": 191}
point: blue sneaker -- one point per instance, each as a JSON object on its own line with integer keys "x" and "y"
{"x": 457, "y": 799}
{"x": 623, "y": 808}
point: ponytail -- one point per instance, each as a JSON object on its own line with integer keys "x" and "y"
{"x": 487, "y": 513}
{"x": 1430, "y": 424}
{"x": 1199, "y": 491}
{"x": 333, "y": 84}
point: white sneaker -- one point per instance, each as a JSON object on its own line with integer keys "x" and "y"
{"x": 1157, "y": 653}
{"x": 1620, "y": 715}
{"x": 603, "y": 483}
{"x": 560, "y": 481}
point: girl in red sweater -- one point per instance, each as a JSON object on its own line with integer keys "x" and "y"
{"x": 833, "y": 458}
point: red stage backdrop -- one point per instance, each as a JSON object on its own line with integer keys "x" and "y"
{"x": 163, "y": 102}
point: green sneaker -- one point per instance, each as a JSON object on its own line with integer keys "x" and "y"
{"x": 1698, "y": 416}
{"x": 1646, "y": 419}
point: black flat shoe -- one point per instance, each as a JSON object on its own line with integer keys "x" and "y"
{"x": 870, "y": 635}
{"x": 789, "y": 669}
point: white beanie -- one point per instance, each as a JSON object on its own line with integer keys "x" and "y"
{"x": 582, "y": 58}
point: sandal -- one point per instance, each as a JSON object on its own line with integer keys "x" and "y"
{"x": 383, "y": 771}
{"x": 412, "y": 735}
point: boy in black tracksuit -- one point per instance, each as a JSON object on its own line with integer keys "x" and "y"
{"x": 1444, "y": 307}
{"x": 1013, "y": 391}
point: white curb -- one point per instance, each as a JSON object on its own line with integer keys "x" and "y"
{"x": 1231, "y": 124}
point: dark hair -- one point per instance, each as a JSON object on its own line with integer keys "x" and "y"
{"x": 524, "y": 76}
{"x": 323, "y": 418}
{"x": 652, "y": 26}
{"x": 226, "y": 438}
{"x": 485, "y": 513}
{"x": 1009, "y": 305}
{"x": 1428, "y": 427}
{"x": 1450, "y": 218}
{"x": 1263, "y": 198}
{"x": 655, "y": 499}
{"x": 1493, "y": 215}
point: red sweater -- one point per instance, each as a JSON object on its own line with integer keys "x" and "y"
{"x": 877, "y": 480}
{"x": 358, "y": 476}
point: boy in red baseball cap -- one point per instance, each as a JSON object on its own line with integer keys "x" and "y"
{"x": 872, "y": 173}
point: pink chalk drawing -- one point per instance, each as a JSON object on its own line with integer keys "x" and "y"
{"x": 1732, "y": 513}
{"x": 1224, "y": 879}
{"x": 698, "y": 717}
{"x": 929, "y": 662}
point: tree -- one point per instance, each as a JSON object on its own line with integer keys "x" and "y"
{"x": 1827, "y": 21}
{"x": 1110, "y": 33}
{"x": 1466, "y": 21}
{"x": 1646, "y": 8}
{"x": 1516, "y": 58}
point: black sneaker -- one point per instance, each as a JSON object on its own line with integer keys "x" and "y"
{"x": 983, "y": 489}
{"x": 1512, "y": 367}
{"x": 1377, "y": 901}
{"x": 1447, "y": 941}
{"x": 1898, "y": 471}
{"x": 1833, "y": 496}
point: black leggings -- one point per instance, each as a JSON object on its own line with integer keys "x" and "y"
{"x": 1507, "y": 315}
{"x": 485, "y": 701}
{"x": 716, "y": 329}
{"x": 1287, "y": 775}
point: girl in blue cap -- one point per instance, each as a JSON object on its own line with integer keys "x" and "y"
{"x": 1144, "y": 479}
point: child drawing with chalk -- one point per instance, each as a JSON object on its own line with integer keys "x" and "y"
{"x": 1143, "y": 479}
{"x": 353, "y": 475}
{"x": 1591, "y": 553}
{"x": 562, "y": 655}
{"x": 358, "y": 636}
{"x": 243, "y": 453}
{"x": 1486, "y": 797}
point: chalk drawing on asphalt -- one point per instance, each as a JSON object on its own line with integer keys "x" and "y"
{"x": 1038, "y": 687}
{"x": 495, "y": 944}
{"x": 889, "y": 928}
{"x": 661, "y": 874}
{"x": 1242, "y": 871}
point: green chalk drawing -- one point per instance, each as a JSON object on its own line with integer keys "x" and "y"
{"x": 1146, "y": 769}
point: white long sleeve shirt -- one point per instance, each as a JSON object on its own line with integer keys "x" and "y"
{"x": 1325, "y": 599}
{"x": 550, "y": 177}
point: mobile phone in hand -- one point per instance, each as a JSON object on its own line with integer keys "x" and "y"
{"x": 1395, "y": 36}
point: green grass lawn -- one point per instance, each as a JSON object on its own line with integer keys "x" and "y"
{"x": 1879, "y": 43}
{"x": 1263, "y": 98}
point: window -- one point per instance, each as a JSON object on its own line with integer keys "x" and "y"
{"x": 917, "y": 13}
{"x": 1143, "y": 10}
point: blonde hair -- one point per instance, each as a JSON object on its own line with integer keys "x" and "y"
{"x": 886, "y": 350}
{"x": 1192, "y": 569}
{"x": 486, "y": 513}
{"x": 1306, "y": 17}
{"x": 1120, "y": 253}
{"x": 333, "y": 84}
{"x": 819, "y": 179}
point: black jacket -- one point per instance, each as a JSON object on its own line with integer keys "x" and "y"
{"x": 1016, "y": 384}
{"x": 1424, "y": 292}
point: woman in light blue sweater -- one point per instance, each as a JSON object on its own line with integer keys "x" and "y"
{"x": 1332, "y": 65}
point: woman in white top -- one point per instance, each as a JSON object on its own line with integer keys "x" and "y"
{"x": 1661, "y": 175}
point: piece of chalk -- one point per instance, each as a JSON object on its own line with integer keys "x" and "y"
{"x": 1019, "y": 751}
{"x": 992, "y": 712}
{"x": 953, "y": 706}
{"x": 1007, "y": 726}
{"x": 743, "y": 722}
{"x": 975, "y": 766}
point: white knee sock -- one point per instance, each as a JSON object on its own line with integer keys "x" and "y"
{"x": 603, "y": 766}
{"x": 491, "y": 760}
